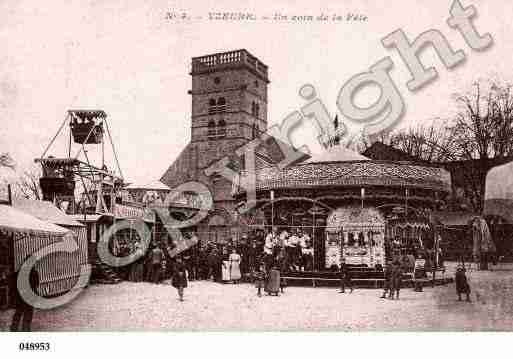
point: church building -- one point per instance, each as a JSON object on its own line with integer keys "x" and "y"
{"x": 229, "y": 109}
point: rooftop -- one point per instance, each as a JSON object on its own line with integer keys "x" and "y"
{"x": 353, "y": 173}
{"x": 229, "y": 59}
{"x": 45, "y": 211}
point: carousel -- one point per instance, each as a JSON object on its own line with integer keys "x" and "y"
{"x": 353, "y": 208}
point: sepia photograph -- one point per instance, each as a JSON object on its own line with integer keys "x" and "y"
{"x": 199, "y": 167}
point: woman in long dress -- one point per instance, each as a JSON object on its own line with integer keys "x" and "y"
{"x": 225, "y": 266}
{"x": 235, "y": 259}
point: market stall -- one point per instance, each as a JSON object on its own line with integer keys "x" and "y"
{"x": 21, "y": 236}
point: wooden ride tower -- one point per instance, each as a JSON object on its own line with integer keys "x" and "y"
{"x": 84, "y": 163}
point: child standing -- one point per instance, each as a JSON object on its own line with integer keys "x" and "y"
{"x": 179, "y": 280}
{"x": 462, "y": 285}
{"x": 259, "y": 276}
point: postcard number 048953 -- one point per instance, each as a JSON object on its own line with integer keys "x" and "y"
{"x": 43, "y": 346}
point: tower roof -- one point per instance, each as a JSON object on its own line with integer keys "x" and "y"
{"x": 229, "y": 60}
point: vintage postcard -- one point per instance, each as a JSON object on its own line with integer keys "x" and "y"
{"x": 178, "y": 166}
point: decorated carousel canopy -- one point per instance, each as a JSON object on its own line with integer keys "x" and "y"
{"x": 352, "y": 173}
{"x": 349, "y": 218}
{"x": 17, "y": 221}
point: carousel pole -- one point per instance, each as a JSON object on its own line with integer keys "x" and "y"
{"x": 406, "y": 202}
{"x": 313, "y": 239}
{"x": 272, "y": 210}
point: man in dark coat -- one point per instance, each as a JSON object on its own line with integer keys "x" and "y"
{"x": 24, "y": 311}
{"x": 396, "y": 279}
{"x": 345, "y": 277}
{"x": 179, "y": 278}
{"x": 156, "y": 264}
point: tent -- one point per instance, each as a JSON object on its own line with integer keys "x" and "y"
{"x": 48, "y": 212}
{"x": 22, "y": 235}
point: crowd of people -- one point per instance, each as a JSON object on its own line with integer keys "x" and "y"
{"x": 261, "y": 259}
{"x": 237, "y": 260}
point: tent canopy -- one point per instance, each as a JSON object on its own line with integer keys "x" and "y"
{"x": 13, "y": 219}
{"x": 45, "y": 211}
{"x": 152, "y": 186}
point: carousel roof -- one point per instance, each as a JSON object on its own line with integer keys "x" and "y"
{"x": 353, "y": 173}
{"x": 337, "y": 154}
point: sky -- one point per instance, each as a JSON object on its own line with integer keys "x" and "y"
{"x": 129, "y": 60}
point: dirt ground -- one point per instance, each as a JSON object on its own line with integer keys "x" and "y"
{"x": 210, "y": 306}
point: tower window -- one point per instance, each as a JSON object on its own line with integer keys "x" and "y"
{"x": 256, "y": 83}
{"x": 217, "y": 80}
{"x": 221, "y": 129}
{"x": 254, "y": 131}
{"x": 257, "y": 110}
{"x": 212, "y": 106}
{"x": 221, "y": 104}
{"x": 216, "y": 106}
{"x": 211, "y": 129}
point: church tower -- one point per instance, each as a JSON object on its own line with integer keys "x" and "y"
{"x": 229, "y": 101}
{"x": 229, "y": 109}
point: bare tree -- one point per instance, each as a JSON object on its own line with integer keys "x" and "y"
{"x": 431, "y": 142}
{"x": 483, "y": 135}
{"x": 27, "y": 185}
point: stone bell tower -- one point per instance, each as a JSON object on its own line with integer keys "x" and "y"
{"x": 229, "y": 109}
{"x": 229, "y": 102}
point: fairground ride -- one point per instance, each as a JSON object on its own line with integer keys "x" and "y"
{"x": 83, "y": 163}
